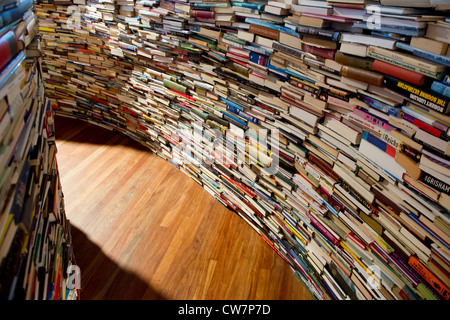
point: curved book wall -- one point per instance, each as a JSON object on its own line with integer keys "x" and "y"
{"x": 36, "y": 256}
{"x": 286, "y": 113}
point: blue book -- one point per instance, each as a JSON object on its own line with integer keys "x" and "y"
{"x": 441, "y": 89}
{"x": 400, "y": 29}
{"x": 380, "y": 144}
{"x": 235, "y": 118}
{"x": 232, "y": 104}
{"x": 247, "y": 116}
{"x": 381, "y": 105}
{"x": 257, "y": 58}
{"x": 232, "y": 109}
{"x": 424, "y": 54}
{"x": 257, "y": 49}
{"x": 10, "y": 16}
{"x": 277, "y": 70}
{"x": 257, "y": 6}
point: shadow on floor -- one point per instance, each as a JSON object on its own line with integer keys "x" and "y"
{"x": 86, "y": 132}
{"x": 102, "y": 278}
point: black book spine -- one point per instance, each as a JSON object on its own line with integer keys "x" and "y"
{"x": 427, "y": 99}
{"x": 435, "y": 183}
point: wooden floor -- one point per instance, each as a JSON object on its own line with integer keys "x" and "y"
{"x": 142, "y": 229}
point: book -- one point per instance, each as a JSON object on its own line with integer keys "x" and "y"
{"x": 363, "y": 75}
{"x": 398, "y": 72}
{"x": 418, "y": 95}
{"x": 11, "y": 46}
{"x": 369, "y": 40}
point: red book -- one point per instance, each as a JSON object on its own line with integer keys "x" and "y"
{"x": 398, "y": 72}
{"x": 10, "y": 46}
{"x": 199, "y": 14}
{"x": 325, "y": 53}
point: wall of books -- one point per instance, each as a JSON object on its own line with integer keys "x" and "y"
{"x": 323, "y": 124}
{"x": 35, "y": 241}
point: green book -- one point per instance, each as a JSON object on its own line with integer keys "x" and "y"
{"x": 175, "y": 86}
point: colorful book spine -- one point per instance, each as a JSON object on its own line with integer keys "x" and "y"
{"x": 424, "y": 54}
{"x": 321, "y": 52}
{"x": 373, "y": 119}
{"x": 322, "y": 33}
{"x": 429, "y": 277}
{"x": 9, "y": 47}
{"x": 441, "y": 89}
{"x": 416, "y": 94}
{"x": 405, "y": 65}
{"x": 398, "y": 72}
{"x": 380, "y": 144}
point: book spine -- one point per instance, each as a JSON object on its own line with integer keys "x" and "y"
{"x": 433, "y": 144}
{"x": 380, "y": 105}
{"x": 200, "y": 14}
{"x": 358, "y": 62}
{"x": 288, "y": 50}
{"x": 435, "y": 183}
{"x": 327, "y": 34}
{"x": 402, "y": 64}
{"x": 9, "y": 16}
{"x": 355, "y": 194}
{"x": 399, "y": 72}
{"x": 407, "y": 31}
{"x": 322, "y": 229}
{"x": 424, "y": 54}
{"x": 430, "y": 129}
{"x": 232, "y": 104}
{"x": 441, "y": 89}
{"x": 262, "y": 23}
{"x": 429, "y": 277}
{"x": 175, "y": 86}
{"x": 325, "y": 53}
{"x": 264, "y": 31}
{"x": 424, "y": 98}
{"x": 446, "y": 80}
{"x": 380, "y": 144}
{"x": 247, "y": 116}
{"x": 362, "y": 75}
{"x": 247, "y": 5}
{"x": 257, "y": 58}
{"x": 9, "y": 47}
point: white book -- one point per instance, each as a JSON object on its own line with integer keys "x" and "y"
{"x": 380, "y": 158}
{"x": 415, "y": 241}
{"x": 369, "y": 40}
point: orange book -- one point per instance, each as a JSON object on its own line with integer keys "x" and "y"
{"x": 429, "y": 277}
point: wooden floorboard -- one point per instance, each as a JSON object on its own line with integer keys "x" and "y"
{"x": 142, "y": 229}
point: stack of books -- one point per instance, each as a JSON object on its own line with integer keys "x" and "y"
{"x": 35, "y": 241}
{"x": 323, "y": 124}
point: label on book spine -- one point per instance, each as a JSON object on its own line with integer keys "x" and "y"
{"x": 264, "y": 31}
{"x": 435, "y": 183}
{"x": 327, "y": 34}
{"x": 432, "y": 101}
{"x": 358, "y": 197}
